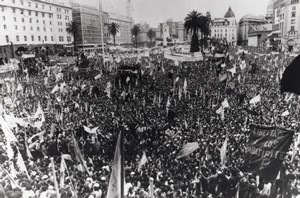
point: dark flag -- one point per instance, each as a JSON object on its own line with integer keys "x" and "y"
{"x": 290, "y": 81}
{"x": 266, "y": 149}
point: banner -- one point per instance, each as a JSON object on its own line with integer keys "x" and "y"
{"x": 266, "y": 149}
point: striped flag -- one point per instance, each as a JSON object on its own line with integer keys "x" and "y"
{"x": 143, "y": 161}
{"x": 188, "y": 149}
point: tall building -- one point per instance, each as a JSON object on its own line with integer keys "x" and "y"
{"x": 287, "y": 23}
{"x": 88, "y": 20}
{"x": 33, "y": 22}
{"x": 225, "y": 28}
{"x": 244, "y": 26}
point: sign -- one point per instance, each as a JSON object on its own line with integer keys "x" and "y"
{"x": 266, "y": 149}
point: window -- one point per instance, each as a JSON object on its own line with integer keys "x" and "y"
{"x": 13, "y": 1}
{"x": 25, "y": 38}
{"x": 50, "y": 16}
{"x": 29, "y": 4}
{"x": 30, "y": 20}
{"x": 32, "y": 38}
{"x": 293, "y": 14}
{"x": 50, "y": 7}
{"x": 52, "y": 38}
{"x": 43, "y": 6}
{"x": 5, "y": 27}
{"x": 45, "y": 38}
{"x": 22, "y": 2}
{"x": 24, "y": 28}
{"x": 37, "y": 21}
{"x": 17, "y": 38}
{"x": 36, "y": 5}
{"x": 292, "y": 29}
{"x": 293, "y": 21}
{"x": 31, "y": 28}
{"x": 44, "y": 29}
{"x": 2, "y": 9}
{"x": 23, "y": 20}
{"x": 38, "y": 28}
{"x": 15, "y": 19}
{"x": 16, "y": 27}
{"x": 21, "y": 11}
{"x": 13, "y": 10}
{"x": 39, "y": 38}
{"x": 3, "y": 17}
{"x": 36, "y": 14}
{"x": 44, "y": 22}
{"x": 294, "y": 8}
{"x": 50, "y": 23}
{"x": 7, "y": 39}
{"x": 43, "y": 14}
{"x": 29, "y": 13}
{"x": 51, "y": 29}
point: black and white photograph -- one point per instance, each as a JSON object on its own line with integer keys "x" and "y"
{"x": 150, "y": 99}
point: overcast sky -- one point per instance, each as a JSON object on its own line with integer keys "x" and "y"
{"x": 155, "y": 11}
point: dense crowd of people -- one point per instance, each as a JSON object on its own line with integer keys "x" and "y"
{"x": 160, "y": 108}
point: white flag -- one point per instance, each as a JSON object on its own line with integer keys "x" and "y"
{"x": 188, "y": 149}
{"x": 255, "y": 100}
{"x": 286, "y": 113}
{"x": 143, "y": 161}
{"x": 225, "y": 103}
{"x": 223, "y": 151}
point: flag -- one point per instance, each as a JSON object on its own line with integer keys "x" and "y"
{"x": 221, "y": 112}
{"x": 225, "y": 103}
{"x": 188, "y": 149}
{"x": 78, "y": 156}
{"x": 98, "y": 76}
{"x": 63, "y": 167}
{"x": 207, "y": 156}
{"x": 232, "y": 70}
{"x": 223, "y": 152}
{"x": 21, "y": 164}
{"x": 9, "y": 135}
{"x": 286, "y": 113}
{"x": 19, "y": 87}
{"x": 89, "y": 130}
{"x": 255, "y": 100}
{"x": 114, "y": 187}
{"x": 40, "y": 112}
{"x": 185, "y": 86}
{"x": 266, "y": 149}
{"x": 290, "y": 81}
{"x": 55, "y": 89}
{"x": 107, "y": 89}
{"x": 143, "y": 161}
{"x": 223, "y": 77}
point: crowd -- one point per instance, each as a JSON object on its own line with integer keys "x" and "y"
{"x": 168, "y": 105}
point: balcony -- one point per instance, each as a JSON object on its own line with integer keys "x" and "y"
{"x": 290, "y": 34}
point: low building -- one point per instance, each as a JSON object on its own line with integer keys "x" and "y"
{"x": 258, "y": 35}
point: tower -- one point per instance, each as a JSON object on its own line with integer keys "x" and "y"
{"x": 129, "y": 9}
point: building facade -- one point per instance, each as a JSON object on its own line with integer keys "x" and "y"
{"x": 258, "y": 35}
{"x": 245, "y": 23}
{"x": 286, "y": 23}
{"x": 175, "y": 31}
{"x": 34, "y": 23}
{"x": 125, "y": 25}
{"x": 225, "y": 28}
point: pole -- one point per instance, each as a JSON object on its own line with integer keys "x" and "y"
{"x": 54, "y": 177}
{"x": 122, "y": 163}
{"x": 151, "y": 190}
{"x": 101, "y": 26}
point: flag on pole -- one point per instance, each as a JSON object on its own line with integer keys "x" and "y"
{"x": 143, "y": 161}
{"x": 223, "y": 152}
{"x": 185, "y": 87}
{"x": 21, "y": 164}
{"x": 114, "y": 187}
{"x": 225, "y": 103}
{"x": 188, "y": 149}
{"x": 107, "y": 89}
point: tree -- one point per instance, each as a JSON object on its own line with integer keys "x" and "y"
{"x": 72, "y": 28}
{"x": 205, "y": 31}
{"x": 113, "y": 29}
{"x": 135, "y": 31}
{"x": 151, "y": 34}
{"x": 192, "y": 25}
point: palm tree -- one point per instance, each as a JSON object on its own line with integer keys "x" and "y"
{"x": 135, "y": 31}
{"x": 113, "y": 29}
{"x": 151, "y": 34}
{"x": 205, "y": 30}
{"x": 72, "y": 28}
{"x": 192, "y": 25}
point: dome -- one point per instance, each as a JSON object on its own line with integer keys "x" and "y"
{"x": 229, "y": 13}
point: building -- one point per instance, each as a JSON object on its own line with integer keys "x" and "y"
{"x": 125, "y": 25}
{"x": 245, "y": 23}
{"x": 175, "y": 31}
{"x": 225, "y": 28}
{"x": 258, "y": 35}
{"x": 33, "y": 23}
{"x": 88, "y": 20}
{"x": 287, "y": 23}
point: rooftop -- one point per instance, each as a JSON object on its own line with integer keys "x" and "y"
{"x": 229, "y": 13}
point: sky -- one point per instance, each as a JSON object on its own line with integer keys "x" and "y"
{"x": 155, "y": 11}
